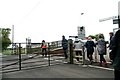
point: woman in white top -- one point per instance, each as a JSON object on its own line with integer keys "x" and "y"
{"x": 78, "y": 48}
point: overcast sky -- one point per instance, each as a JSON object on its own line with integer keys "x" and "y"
{"x": 50, "y": 19}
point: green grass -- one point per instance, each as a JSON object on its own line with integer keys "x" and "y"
{"x": 23, "y": 51}
{"x": 7, "y": 52}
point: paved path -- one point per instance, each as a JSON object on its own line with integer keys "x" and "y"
{"x": 62, "y": 71}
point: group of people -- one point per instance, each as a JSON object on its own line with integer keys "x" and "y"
{"x": 114, "y": 47}
{"x": 78, "y": 46}
{"x": 100, "y": 44}
{"x": 101, "y": 48}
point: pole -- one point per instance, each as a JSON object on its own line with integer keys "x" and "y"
{"x": 12, "y": 38}
{"x": 81, "y": 19}
{"x": 49, "y": 54}
{"x": 118, "y": 21}
{"x": 26, "y": 46}
{"x": 71, "y": 51}
{"x": 19, "y": 56}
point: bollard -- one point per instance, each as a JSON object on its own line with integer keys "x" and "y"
{"x": 71, "y": 50}
{"x": 19, "y": 56}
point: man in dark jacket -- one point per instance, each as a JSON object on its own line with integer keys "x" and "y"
{"x": 116, "y": 54}
{"x": 65, "y": 46}
{"x": 90, "y": 49}
{"x": 110, "y": 46}
{"x": 111, "y": 40}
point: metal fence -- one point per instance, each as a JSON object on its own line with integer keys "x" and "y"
{"x": 24, "y": 56}
{"x": 29, "y": 56}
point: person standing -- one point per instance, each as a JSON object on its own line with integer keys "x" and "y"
{"x": 116, "y": 55}
{"x": 101, "y": 47}
{"x": 78, "y": 49}
{"x": 44, "y": 47}
{"x": 65, "y": 46}
{"x": 110, "y": 46}
{"x": 90, "y": 49}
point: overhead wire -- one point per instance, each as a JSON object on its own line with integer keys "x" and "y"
{"x": 23, "y": 19}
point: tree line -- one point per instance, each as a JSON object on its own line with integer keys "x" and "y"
{"x": 4, "y": 38}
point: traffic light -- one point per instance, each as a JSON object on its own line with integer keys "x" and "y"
{"x": 81, "y": 28}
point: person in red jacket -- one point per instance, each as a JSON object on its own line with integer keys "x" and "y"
{"x": 44, "y": 47}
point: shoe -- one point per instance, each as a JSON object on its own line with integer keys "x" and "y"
{"x": 100, "y": 64}
{"x": 91, "y": 62}
{"x": 105, "y": 64}
{"x": 65, "y": 62}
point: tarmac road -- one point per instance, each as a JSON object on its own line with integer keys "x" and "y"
{"x": 62, "y": 71}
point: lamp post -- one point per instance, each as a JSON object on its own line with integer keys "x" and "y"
{"x": 81, "y": 18}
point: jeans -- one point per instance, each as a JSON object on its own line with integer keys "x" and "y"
{"x": 78, "y": 53}
{"x": 65, "y": 53}
{"x": 102, "y": 59}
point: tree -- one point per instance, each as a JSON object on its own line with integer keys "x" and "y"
{"x": 92, "y": 36}
{"x": 96, "y": 37}
{"x": 5, "y": 38}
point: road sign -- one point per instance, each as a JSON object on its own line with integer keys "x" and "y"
{"x": 81, "y": 32}
{"x": 108, "y": 18}
{"x": 115, "y": 21}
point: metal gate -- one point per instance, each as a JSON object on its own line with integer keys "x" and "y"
{"x": 27, "y": 56}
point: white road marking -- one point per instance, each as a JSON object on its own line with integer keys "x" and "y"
{"x": 101, "y": 67}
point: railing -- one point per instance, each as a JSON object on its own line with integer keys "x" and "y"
{"x": 22, "y": 52}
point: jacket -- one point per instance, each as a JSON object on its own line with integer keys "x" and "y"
{"x": 101, "y": 46}
{"x": 90, "y": 46}
{"x": 116, "y": 50}
{"x": 78, "y": 46}
{"x": 65, "y": 43}
{"x": 44, "y": 45}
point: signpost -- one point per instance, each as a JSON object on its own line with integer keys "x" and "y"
{"x": 115, "y": 21}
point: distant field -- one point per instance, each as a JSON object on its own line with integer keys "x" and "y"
{"x": 23, "y": 51}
